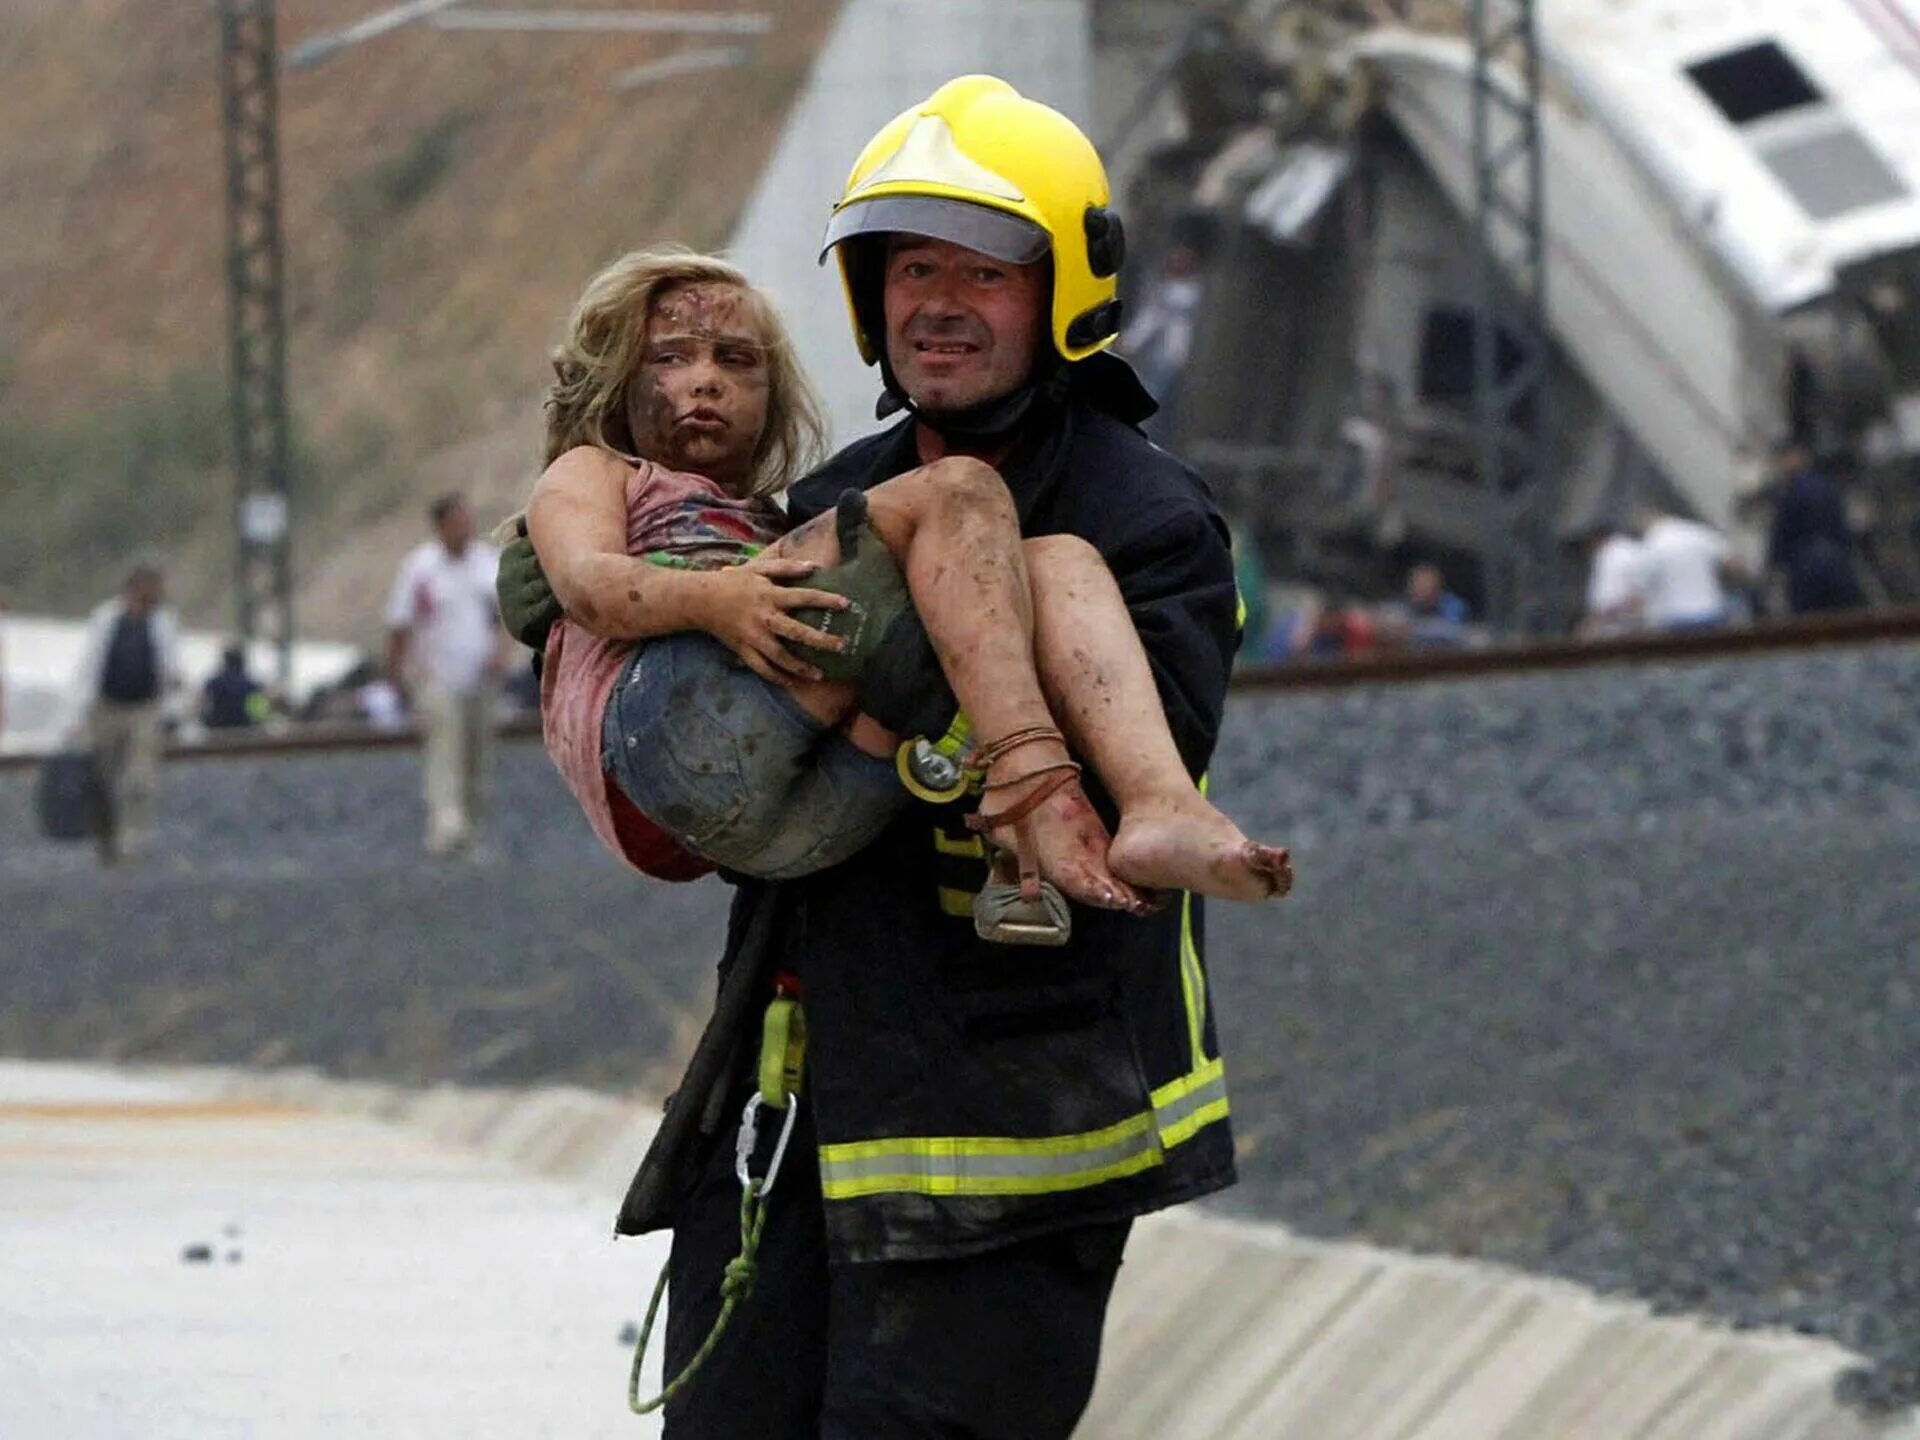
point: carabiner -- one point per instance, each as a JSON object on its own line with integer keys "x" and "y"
{"x": 750, "y": 1139}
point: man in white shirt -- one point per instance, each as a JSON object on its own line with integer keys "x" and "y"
{"x": 1616, "y": 584}
{"x": 445, "y": 648}
{"x": 1688, "y": 567}
{"x": 128, "y": 669}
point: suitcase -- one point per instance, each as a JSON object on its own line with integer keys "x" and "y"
{"x": 69, "y": 797}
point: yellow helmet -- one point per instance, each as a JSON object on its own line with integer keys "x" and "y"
{"x": 978, "y": 164}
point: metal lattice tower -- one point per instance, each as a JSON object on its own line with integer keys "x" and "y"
{"x": 1510, "y": 347}
{"x": 257, "y": 325}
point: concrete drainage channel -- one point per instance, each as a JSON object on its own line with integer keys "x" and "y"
{"x": 1228, "y": 1331}
{"x": 1224, "y": 1331}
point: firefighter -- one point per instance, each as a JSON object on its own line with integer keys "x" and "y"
{"x": 980, "y": 1123}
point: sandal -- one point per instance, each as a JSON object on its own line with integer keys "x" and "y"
{"x": 1002, "y": 915}
{"x": 1016, "y": 906}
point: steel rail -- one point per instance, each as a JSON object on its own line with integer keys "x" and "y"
{"x": 1387, "y": 667}
{"x": 1408, "y": 666}
{"x": 324, "y": 737}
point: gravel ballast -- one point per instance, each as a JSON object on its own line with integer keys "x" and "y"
{"x": 1612, "y": 974}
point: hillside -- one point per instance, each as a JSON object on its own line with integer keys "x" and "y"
{"x": 445, "y": 194}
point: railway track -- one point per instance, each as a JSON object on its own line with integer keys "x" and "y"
{"x": 1393, "y": 667}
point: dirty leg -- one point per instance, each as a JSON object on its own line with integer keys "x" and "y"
{"x": 1098, "y": 682}
{"x": 952, "y": 527}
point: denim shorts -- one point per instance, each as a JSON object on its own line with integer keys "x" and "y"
{"x": 734, "y": 769}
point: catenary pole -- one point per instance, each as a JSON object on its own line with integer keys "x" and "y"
{"x": 257, "y": 334}
{"x": 1520, "y": 565}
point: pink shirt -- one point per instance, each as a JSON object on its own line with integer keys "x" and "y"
{"x": 686, "y": 520}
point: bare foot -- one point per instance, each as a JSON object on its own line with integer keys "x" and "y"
{"x": 1189, "y": 845}
{"x": 1067, "y": 841}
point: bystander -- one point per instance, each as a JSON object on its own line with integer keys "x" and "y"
{"x": 1810, "y": 544}
{"x": 1616, "y": 582}
{"x": 232, "y": 699}
{"x": 1689, "y": 566}
{"x": 445, "y": 649}
{"x": 1430, "y": 616}
{"x": 128, "y": 669}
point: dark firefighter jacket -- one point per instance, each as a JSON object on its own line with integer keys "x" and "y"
{"x": 967, "y": 1095}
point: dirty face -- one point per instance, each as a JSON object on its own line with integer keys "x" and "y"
{"x": 962, "y": 327}
{"x": 699, "y": 399}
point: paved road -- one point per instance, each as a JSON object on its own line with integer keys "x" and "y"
{"x": 340, "y": 1298}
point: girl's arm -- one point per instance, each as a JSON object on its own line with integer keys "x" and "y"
{"x": 577, "y": 521}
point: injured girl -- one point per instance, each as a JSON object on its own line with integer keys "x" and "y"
{"x": 701, "y": 695}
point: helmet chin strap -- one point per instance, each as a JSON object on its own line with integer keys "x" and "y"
{"x": 988, "y": 422}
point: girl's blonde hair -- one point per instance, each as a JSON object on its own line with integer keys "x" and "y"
{"x": 606, "y": 343}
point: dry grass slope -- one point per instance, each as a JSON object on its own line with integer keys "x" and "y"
{"x": 445, "y": 195}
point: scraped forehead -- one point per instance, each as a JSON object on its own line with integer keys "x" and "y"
{"x": 708, "y": 310}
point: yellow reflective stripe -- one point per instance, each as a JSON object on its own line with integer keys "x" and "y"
{"x": 1196, "y": 1122}
{"x": 1193, "y": 976}
{"x": 990, "y": 1145}
{"x": 988, "y": 1165}
{"x": 1239, "y": 608}
{"x": 967, "y": 845}
{"x": 1191, "y": 1103}
{"x": 1193, "y": 982}
{"x": 920, "y": 1182}
{"x": 956, "y": 902}
{"x": 1002, "y": 1165}
{"x": 1177, "y": 1096}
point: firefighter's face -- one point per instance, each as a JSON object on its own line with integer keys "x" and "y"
{"x": 962, "y": 327}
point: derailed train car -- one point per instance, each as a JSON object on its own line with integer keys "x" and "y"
{"x": 1732, "y": 210}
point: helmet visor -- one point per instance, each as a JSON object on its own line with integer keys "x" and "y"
{"x": 972, "y": 227}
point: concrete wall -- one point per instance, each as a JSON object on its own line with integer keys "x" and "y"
{"x": 1228, "y": 1332}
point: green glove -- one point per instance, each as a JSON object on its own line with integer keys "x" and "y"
{"x": 527, "y": 604}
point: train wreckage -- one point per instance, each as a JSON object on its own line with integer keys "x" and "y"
{"x": 1731, "y": 231}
